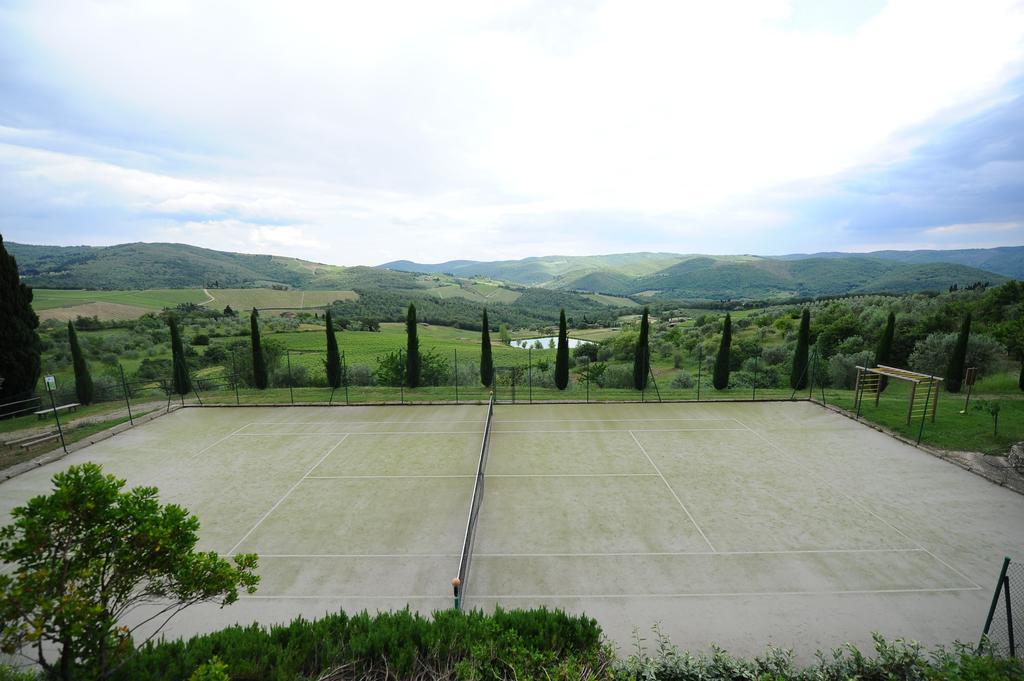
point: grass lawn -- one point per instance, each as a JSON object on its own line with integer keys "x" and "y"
{"x": 972, "y": 431}
{"x": 152, "y": 300}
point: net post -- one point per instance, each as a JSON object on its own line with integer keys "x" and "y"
{"x": 124, "y": 387}
{"x": 995, "y": 599}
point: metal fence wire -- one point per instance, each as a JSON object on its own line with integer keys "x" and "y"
{"x": 1004, "y": 624}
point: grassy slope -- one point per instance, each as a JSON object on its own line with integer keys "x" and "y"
{"x": 151, "y": 300}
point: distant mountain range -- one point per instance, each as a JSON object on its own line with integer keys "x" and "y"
{"x": 640, "y": 276}
{"x": 672, "y": 275}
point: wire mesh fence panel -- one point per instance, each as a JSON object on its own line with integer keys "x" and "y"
{"x": 1005, "y": 620}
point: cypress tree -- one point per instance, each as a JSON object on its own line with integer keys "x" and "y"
{"x": 412, "y": 349}
{"x": 642, "y": 356}
{"x": 562, "y": 354}
{"x": 486, "y": 361}
{"x": 333, "y": 356}
{"x": 182, "y": 383}
{"x": 798, "y": 377}
{"x": 83, "y": 379}
{"x": 20, "y": 347}
{"x": 259, "y": 362}
{"x": 958, "y": 360}
{"x": 883, "y": 353}
{"x": 720, "y": 377}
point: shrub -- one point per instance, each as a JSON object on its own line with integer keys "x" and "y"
{"x": 617, "y": 376}
{"x": 471, "y": 645}
{"x": 842, "y": 369}
{"x": 932, "y": 354}
{"x": 683, "y": 380}
{"x": 359, "y": 374}
{"x": 200, "y": 339}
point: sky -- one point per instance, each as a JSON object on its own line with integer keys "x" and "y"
{"x": 364, "y": 132}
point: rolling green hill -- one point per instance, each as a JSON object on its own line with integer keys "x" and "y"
{"x": 148, "y": 266}
{"x": 749, "y": 277}
{"x": 1005, "y": 260}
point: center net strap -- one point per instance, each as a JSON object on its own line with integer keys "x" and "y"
{"x": 474, "y": 507}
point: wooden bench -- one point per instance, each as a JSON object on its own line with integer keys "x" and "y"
{"x": 32, "y": 443}
{"x": 43, "y": 413}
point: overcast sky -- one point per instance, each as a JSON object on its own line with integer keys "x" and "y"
{"x": 361, "y": 132}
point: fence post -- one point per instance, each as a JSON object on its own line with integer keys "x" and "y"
{"x": 344, "y": 369}
{"x": 291, "y": 395}
{"x": 529, "y": 361}
{"x": 700, "y": 363}
{"x": 753, "y": 396}
{"x": 56, "y": 417}
{"x": 657, "y": 390}
{"x": 588, "y": 380}
{"x": 456, "y": 351}
{"x": 995, "y": 600}
{"x": 124, "y": 387}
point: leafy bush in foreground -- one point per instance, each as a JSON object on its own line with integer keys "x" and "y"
{"x": 896, "y": 660}
{"x": 522, "y": 644}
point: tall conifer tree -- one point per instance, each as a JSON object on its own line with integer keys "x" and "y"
{"x": 181, "y": 382}
{"x": 20, "y": 347}
{"x": 486, "y": 360}
{"x": 958, "y": 360}
{"x": 720, "y": 376}
{"x": 883, "y": 353}
{"x": 798, "y": 377}
{"x": 259, "y": 362}
{"x": 562, "y": 354}
{"x": 83, "y": 379}
{"x": 412, "y": 349}
{"x": 642, "y": 356}
{"x": 333, "y": 363}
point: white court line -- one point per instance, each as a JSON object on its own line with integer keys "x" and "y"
{"x": 506, "y": 432}
{"x": 605, "y": 420}
{"x": 346, "y": 423}
{"x": 541, "y": 597}
{"x": 625, "y": 554}
{"x": 678, "y": 500}
{"x": 492, "y": 475}
{"x": 859, "y": 504}
{"x": 209, "y": 447}
{"x": 286, "y": 494}
{"x": 384, "y": 477}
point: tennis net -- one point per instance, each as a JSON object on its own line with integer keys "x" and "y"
{"x": 474, "y": 507}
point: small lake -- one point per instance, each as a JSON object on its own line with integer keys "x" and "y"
{"x": 546, "y": 342}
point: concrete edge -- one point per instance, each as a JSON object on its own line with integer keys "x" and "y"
{"x": 58, "y": 454}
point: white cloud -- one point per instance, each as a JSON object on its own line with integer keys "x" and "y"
{"x": 444, "y": 129}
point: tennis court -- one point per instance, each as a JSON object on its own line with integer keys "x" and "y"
{"x": 740, "y": 524}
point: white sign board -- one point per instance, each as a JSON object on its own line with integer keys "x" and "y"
{"x": 51, "y": 383}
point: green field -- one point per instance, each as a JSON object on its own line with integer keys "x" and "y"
{"x": 151, "y": 300}
{"x": 364, "y": 347}
{"x": 244, "y": 299}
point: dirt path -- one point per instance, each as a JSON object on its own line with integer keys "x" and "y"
{"x": 206, "y": 302}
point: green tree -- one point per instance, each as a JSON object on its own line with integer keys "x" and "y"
{"x": 883, "y": 353}
{"x": 562, "y": 354}
{"x": 83, "y": 379}
{"x": 182, "y": 382}
{"x": 642, "y": 356}
{"x": 720, "y": 375}
{"x": 20, "y": 347}
{"x": 486, "y": 360}
{"x": 259, "y": 362}
{"x": 798, "y": 376}
{"x": 958, "y": 358}
{"x": 89, "y": 553}
{"x": 333, "y": 362}
{"x": 412, "y": 349}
